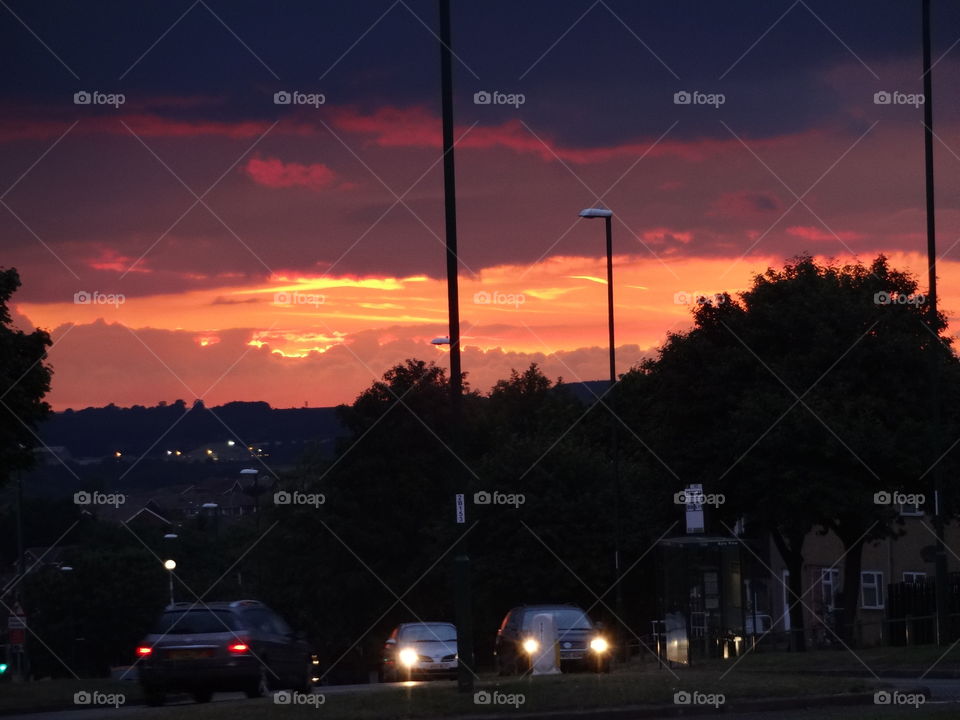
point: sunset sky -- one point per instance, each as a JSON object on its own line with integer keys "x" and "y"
{"x": 200, "y": 240}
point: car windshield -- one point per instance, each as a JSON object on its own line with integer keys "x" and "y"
{"x": 200, "y": 620}
{"x": 429, "y": 633}
{"x": 565, "y": 618}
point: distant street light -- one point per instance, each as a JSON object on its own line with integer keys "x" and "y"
{"x": 170, "y": 566}
{"x": 607, "y": 215}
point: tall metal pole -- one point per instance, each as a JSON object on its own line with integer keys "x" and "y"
{"x": 940, "y": 567}
{"x": 465, "y": 672}
{"x": 20, "y": 557}
{"x": 614, "y": 444}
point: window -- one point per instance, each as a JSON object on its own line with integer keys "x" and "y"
{"x": 260, "y": 619}
{"x": 565, "y": 618}
{"x": 197, "y": 621}
{"x": 910, "y": 509}
{"x": 915, "y": 577}
{"x": 829, "y": 587}
{"x": 871, "y": 589}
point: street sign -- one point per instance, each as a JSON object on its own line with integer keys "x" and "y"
{"x": 461, "y": 509}
{"x": 16, "y": 624}
{"x": 694, "y": 514}
{"x": 17, "y": 619}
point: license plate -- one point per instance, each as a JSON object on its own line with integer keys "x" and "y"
{"x": 189, "y": 654}
{"x": 436, "y": 666}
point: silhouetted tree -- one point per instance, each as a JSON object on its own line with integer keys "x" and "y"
{"x": 799, "y": 401}
{"x": 24, "y": 381}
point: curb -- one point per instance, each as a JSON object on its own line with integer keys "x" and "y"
{"x": 672, "y": 711}
{"x": 916, "y": 674}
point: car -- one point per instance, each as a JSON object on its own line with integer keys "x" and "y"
{"x": 582, "y": 645}
{"x": 239, "y": 646}
{"x": 420, "y": 649}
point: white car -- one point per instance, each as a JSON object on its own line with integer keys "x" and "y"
{"x": 420, "y": 650}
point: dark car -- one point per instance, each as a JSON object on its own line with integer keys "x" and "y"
{"x": 420, "y": 649}
{"x": 222, "y": 646}
{"x": 581, "y": 644}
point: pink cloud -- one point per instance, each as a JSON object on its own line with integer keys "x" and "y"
{"x": 274, "y": 173}
{"x": 391, "y": 127}
{"x": 143, "y": 124}
{"x": 818, "y": 234}
{"x": 745, "y": 203}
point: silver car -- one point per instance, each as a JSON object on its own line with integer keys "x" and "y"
{"x": 420, "y": 650}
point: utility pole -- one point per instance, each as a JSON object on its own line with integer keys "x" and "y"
{"x": 465, "y": 672}
{"x": 940, "y": 567}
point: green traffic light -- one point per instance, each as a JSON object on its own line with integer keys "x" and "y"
{"x": 3, "y": 668}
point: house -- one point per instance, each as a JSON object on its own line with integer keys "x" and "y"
{"x": 908, "y": 559}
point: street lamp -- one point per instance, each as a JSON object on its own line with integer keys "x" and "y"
{"x": 607, "y": 215}
{"x": 170, "y": 566}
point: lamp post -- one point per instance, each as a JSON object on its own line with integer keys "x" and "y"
{"x": 462, "y": 559}
{"x": 170, "y": 566}
{"x": 607, "y": 215}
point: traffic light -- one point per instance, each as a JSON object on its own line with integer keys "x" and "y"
{"x": 3, "y": 668}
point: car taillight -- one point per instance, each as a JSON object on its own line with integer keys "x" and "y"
{"x": 238, "y": 647}
{"x": 144, "y": 651}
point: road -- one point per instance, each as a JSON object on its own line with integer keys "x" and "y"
{"x": 944, "y": 703}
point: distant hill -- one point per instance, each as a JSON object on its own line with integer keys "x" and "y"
{"x": 587, "y": 391}
{"x": 99, "y": 432}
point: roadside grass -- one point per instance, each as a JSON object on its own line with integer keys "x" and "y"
{"x": 562, "y": 692}
{"x": 60, "y": 693}
{"x": 917, "y": 658}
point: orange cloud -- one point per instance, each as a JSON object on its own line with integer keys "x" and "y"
{"x": 327, "y": 352}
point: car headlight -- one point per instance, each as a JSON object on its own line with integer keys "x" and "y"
{"x": 408, "y": 656}
{"x": 531, "y": 645}
{"x": 599, "y": 645}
